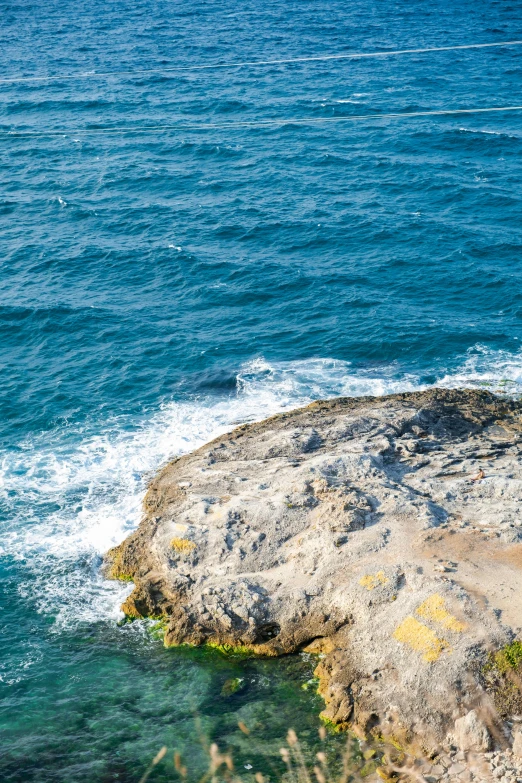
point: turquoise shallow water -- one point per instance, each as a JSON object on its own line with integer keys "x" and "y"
{"x": 158, "y": 288}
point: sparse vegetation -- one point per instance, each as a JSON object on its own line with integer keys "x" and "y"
{"x": 503, "y": 678}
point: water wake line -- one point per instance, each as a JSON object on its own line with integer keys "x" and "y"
{"x": 259, "y": 123}
{"x": 256, "y": 63}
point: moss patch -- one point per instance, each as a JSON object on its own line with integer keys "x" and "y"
{"x": 120, "y": 575}
{"x": 509, "y": 658}
{"x": 230, "y": 649}
{"x": 158, "y": 627}
{"x": 336, "y": 728}
{"x": 502, "y": 674}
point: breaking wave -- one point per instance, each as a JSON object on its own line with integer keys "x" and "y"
{"x": 71, "y": 495}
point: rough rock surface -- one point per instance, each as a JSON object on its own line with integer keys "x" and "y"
{"x": 517, "y": 744}
{"x": 471, "y": 733}
{"x": 383, "y": 533}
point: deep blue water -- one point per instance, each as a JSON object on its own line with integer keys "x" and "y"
{"x": 158, "y": 287}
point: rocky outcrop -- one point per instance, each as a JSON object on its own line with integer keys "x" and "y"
{"x": 382, "y": 533}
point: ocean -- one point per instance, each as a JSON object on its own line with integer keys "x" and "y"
{"x": 161, "y": 285}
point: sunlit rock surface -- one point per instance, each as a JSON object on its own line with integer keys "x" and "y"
{"x": 382, "y": 533}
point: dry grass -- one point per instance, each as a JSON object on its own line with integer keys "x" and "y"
{"x": 359, "y": 763}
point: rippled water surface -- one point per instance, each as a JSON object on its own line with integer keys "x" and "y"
{"x": 159, "y": 286}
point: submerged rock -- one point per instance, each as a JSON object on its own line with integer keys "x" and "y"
{"x": 383, "y": 533}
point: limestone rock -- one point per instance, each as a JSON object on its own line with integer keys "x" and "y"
{"x": 322, "y": 527}
{"x": 517, "y": 743}
{"x": 471, "y": 733}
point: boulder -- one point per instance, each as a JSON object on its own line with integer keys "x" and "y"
{"x": 471, "y": 733}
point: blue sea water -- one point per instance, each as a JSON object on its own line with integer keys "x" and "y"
{"x": 159, "y": 287}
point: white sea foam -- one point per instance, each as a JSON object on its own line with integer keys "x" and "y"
{"x": 489, "y": 132}
{"x": 483, "y": 368}
{"x": 71, "y": 495}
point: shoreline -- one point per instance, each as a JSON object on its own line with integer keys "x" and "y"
{"x": 354, "y": 528}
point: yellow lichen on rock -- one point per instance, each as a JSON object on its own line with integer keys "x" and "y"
{"x": 434, "y": 609}
{"x": 182, "y": 545}
{"x": 420, "y": 638}
{"x": 321, "y": 645}
{"x": 371, "y": 581}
